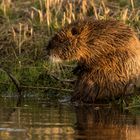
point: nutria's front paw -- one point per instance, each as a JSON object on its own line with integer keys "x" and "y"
{"x": 79, "y": 70}
{"x": 76, "y": 70}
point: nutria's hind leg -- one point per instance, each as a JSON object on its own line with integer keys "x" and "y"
{"x": 130, "y": 89}
{"x": 77, "y": 97}
{"x": 86, "y": 94}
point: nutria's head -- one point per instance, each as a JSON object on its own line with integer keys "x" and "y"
{"x": 66, "y": 43}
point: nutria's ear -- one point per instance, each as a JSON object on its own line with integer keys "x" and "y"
{"x": 74, "y": 31}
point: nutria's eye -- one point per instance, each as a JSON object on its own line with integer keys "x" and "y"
{"x": 74, "y": 31}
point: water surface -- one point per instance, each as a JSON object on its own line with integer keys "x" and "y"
{"x": 38, "y": 119}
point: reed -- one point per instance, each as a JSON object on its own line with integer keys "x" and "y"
{"x": 5, "y": 6}
{"x": 62, "y": 12}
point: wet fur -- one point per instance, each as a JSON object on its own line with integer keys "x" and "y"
{"x": 108, "y": 55}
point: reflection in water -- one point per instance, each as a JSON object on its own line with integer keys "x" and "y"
{"x": 107, "y": 124}
{"x": 41, "y": 120}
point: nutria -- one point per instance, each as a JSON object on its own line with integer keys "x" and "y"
{"x": 108, "y": 55}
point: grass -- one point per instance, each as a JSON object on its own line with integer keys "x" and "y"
{"x": 26, "y": 26}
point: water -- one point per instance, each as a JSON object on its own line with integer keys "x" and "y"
{"x": 37, "y": 119}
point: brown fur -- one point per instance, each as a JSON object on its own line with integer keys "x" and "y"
{"x": 108, "y": 55}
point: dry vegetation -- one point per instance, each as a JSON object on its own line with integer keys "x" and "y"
{"x": 26, "y": 26}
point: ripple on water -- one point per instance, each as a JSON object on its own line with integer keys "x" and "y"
{"x": 40, "y": 120}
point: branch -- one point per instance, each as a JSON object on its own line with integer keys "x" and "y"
{"x": 13, "y": 79}
{"x": 63, "y": 80}
{"x": 59, "y": 89}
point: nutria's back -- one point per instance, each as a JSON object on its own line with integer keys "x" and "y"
{"x": 108, "y": 55}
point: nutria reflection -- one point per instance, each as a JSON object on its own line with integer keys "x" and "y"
{"x": 106, "y": 124}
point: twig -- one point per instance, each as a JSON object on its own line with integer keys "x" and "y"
{"x": 62, "y": 80}
{"x": 32, "y": 87}
{"x": 53, "y": 88}
{"x": 13, "y": 79}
